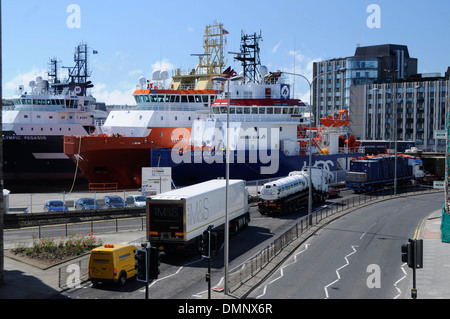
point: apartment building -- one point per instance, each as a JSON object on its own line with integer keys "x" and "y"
{"x": 374, "y": 83}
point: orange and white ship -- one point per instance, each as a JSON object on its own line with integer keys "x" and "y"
{"x": 162, "y": 118}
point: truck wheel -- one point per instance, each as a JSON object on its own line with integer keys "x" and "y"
{"x": 122, "y": 279}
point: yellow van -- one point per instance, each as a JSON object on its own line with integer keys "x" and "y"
{"x": 114, "y": 263}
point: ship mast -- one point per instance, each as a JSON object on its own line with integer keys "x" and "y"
{"x": 250, "y": 55}
{"x": 211, "y": 62}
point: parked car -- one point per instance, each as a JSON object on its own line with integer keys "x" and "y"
{"x": 333, "y": 192}
{"x": 55, "y": 206}
{"x": 135, "y": 200}
{"x": 87, "y": 204}
{"x": 114, "y": 202}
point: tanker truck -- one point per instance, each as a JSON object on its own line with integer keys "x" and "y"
{"x": 287, "y": 194}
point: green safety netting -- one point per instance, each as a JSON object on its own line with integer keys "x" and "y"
{"x": 445, "y": 222}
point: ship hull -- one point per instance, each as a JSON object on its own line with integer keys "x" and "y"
{"x": 116, "y": 161}
{"x": 29, "y": 157}
{"x": 200, "y": 167}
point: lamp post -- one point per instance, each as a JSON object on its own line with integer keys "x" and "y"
{"x": 399, "y": 101}
{"x": 227, "y": 175}
{"x": 310, "y": 83}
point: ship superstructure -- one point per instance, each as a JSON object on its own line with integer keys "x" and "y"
{"x": 33, "y": 129}
{"x": 268, "y": 131}
{"x": 114, "y": 155}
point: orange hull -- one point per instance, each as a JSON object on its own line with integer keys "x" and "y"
{"x": 118, "y": 159}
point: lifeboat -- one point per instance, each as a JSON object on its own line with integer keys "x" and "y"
{"x": 331, "y": 120}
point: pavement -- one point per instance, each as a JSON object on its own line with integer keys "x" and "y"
{"x": 24, "y": 281}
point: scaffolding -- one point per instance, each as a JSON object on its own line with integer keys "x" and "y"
{"x": 445, "y": 223}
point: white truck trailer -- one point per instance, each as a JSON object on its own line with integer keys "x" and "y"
{"x": 177, "y": 219}
{"x": 290, "y": 193}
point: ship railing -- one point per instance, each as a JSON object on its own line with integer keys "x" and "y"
{"x": 103, "y": 186}
{"x": 351, "y": 150}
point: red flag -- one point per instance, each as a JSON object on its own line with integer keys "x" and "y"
{"x": 225, "y": 31}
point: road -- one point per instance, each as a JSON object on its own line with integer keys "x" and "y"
{"x": 184, "y": 277}
{"x": 357, "y": 256}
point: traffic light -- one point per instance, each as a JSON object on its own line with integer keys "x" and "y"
{"x": 412, "y": 253}
{"x": 418, "y": 253}
{"x": 154, "y": 263}
{"x": 205, "y": 243}
{"x": 407, "y": 254}
{"x": 141, "y": 265}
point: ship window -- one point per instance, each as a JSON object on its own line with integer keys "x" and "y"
{"x": 262, "y": 110}
{"x": 153, "y": 98}
{"x": 172, "y": 98}
{"x": 167, "y": 98}
{"x": 205, "y": 98}
{"x": 270, "y": 110}
{"x": 184, "y": 99}
{"x": 198, "y": 99}
{"x": 162, "y": 117}
{"x": 285, "y": 110}
{"x": 191, "y": 99}
{"x": 239, "y": 110}
{"x": 246, "y": 110}
{"x": 160, "y": 98}
{"x": 277, "y": 110}
{"x": 216, "y": 110}
{"x": 232, "y": 110}
{"x": 176, "y": 118}
{"x": 136, "y": 97}
{"x": 254, "y": 110}
{"x": 49, "y": 102}
{"x": 223, "y": 110}
{"x": 25, "y": 116}
{"x": 291, "y": 110}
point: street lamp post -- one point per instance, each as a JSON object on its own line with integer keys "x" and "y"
{"x": 398, "y": 101}
{"x": 227, "y": 175}
{"x": 310, "y": 83}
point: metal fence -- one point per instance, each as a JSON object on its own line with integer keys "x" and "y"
{"x": 241, "y": 274}
{"x": 73, "y": 274}
{"x": 34, "y": 202}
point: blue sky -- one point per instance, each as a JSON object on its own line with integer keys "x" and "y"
{"x": 136, "y": 37}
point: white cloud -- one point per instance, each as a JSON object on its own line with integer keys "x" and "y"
{"x": 24, "y": 79}
{"x": 304, "y": 66}
{"x": 163, "y": 65}
{"x": 275, "y": 48}
{"x": 134, "y": 73}
{"x": 115, "y": 96}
